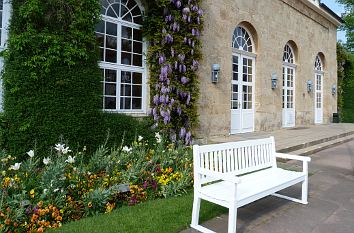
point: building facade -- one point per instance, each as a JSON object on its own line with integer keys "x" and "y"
{"x": 277, "y": 63}
{"x": 292, "y": 42}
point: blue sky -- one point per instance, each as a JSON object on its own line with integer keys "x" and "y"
{"x": 339, "y": 9}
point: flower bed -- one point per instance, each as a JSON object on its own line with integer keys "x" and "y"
{"x": 37, "y": 194}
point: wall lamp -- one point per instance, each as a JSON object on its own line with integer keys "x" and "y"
{"x": 215, "y": 72}
{"x": 274, "y": 81}
{"x": 334, "y": 89}
{"x": 309, "y": 86}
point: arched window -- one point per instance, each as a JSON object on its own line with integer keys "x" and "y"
{"x": 288, "y": 55}
{"x": 121, "y": 56}
{"x": 242, "y": 40}
{"x": 318, "y": 64}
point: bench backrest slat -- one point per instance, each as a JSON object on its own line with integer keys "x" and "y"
{"x": 234, "y": 157}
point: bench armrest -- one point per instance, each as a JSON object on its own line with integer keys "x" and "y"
{"x": 293, "y": 157}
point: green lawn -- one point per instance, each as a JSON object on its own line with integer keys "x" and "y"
{"x": 157, "y": 216}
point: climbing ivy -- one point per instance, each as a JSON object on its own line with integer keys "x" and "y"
{"x": 51, "y": 77}
{"x": 173, "y": 29}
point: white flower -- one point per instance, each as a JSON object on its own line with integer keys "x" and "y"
{"x": 158, "y": 137}
{"x": 46, "y": 161}
{"x": 66, "y": 150}
{"x": 140, "y": 138}
{"x": 126, "y": 149}
{"x": 45, "y": 191}
{"x": 56, "y": 190}
{"x": 16, "y": 166}
{"x": 70, "y": 159}
{"x": 59, "y": 147}
{"x": 30, "y": 153}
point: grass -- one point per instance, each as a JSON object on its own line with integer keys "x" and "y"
{"x": 157, "y": 216}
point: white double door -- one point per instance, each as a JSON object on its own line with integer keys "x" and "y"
{"x": 318, "y": 98}
{"x": 242, "y": 97}
{"x": 288, "y": 111}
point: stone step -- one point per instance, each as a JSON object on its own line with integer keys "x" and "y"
{"x": 322, "y": 146}
{"x": 317, "y": 142}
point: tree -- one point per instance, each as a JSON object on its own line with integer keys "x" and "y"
{"x": 345, "y": 83}
{"x": 348, "y": 26}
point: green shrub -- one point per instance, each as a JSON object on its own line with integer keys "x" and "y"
{"x": 52, "y": 81}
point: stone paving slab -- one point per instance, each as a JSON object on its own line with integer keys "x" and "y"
{"x": 330, "y": 208}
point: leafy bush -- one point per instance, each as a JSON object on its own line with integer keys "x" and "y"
{"x": 37, "y": 193}
{"x": 51, "y": 77}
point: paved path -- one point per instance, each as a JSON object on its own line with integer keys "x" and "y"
{"x": 330, "y": 208}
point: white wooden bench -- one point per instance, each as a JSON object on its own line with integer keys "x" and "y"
{"x": 237, "y": 173}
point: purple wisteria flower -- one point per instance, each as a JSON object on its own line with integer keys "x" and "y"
{"x": 168, "y": 39}
{"x": 156, "y": 99}
{"x": 186, "y": 11}
{"x": 179, "y": 111}
{"x": 184, "y": 80}
{"x": 162, "y": 59}
{"x": 188, "y": 99}
{"x": 188, "y": 138}
{"x": 182, "y": 133}
{"x": 178, "y": 4}
{"x": 181, "y": 57}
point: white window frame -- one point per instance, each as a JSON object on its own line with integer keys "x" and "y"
{"x": 129, "y": 68}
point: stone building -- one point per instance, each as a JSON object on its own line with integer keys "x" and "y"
{"x": 277, "y": 63}
{"x": 291, "y": 41}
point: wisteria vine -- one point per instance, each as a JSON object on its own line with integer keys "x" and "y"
{"x": 173, "y": 28}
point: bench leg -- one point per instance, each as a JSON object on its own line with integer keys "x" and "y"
{"x": 304, "y": 191}
{"x": 232, "y": 219}
{"x": 196, "y": 210}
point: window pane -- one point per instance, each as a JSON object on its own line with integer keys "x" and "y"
{"x": 110, "y": 89}
{"x": 100, "y": 39}
{"x": 127, "y": 32}
{"x": 102, "y": 54}
{"x": 235, "y": 76}
{"x": 136, "y": 103}
{"x": 137, "y": 91}
{"x": 124, "y": 10}
{"x": 126, "y": 77}
{"x": 111, "y": 29}
{"x": 111, "y": 56}
{"x": 137, "y": 78}
{"x": 110, "y": 103}
{"x": 126, "y": 58}
{"x": 137, "y": 60}
{"x": 111, "y": 13}
{"x": 126, "y": 45}
{"x": 125, "y": 103}
{"x": 138, "y": 47}
{"x": 138, "y": 20}
{"x": 100, "y": 27}
{"x": 235, "y": 68}
{"x": 116, "y": 8}
{"x": 111, "y": 42}
{"x": 235, "y": 59}
{"x": 128, "y": 17}
{"x": 111, "y": 76}
{"x": 126, "y": 90}
{"x": 138, "y": 35}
